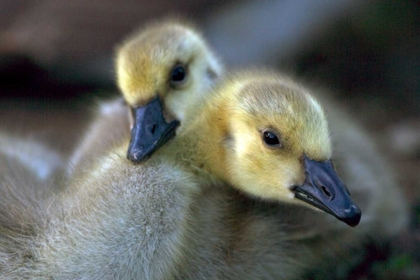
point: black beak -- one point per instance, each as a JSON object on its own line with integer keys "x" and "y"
{"x": 150, "y": 131}
{"x": 325, "y": 190}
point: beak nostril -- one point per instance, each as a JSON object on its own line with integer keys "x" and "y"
{"x": 153, "y": 129}
{"x": 326, "y": 191}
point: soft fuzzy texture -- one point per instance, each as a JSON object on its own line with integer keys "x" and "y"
{"x": 186, "y": 213}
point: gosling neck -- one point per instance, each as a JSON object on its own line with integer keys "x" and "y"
{"x": 201, "y": 143}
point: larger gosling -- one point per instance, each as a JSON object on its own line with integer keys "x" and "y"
{"x": 175, "y": 216}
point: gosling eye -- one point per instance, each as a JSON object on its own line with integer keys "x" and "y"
{"x": 178, "y": 75}
{"x": 271, "y": 139}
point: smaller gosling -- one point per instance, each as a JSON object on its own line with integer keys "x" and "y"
{"x": 162, "y": 71}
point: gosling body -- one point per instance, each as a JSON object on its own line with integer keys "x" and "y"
{"x": 181, "y": 216}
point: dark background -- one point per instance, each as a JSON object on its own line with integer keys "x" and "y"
{"x": 56, "y": 59}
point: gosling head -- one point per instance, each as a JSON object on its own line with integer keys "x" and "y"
{"x": 161, "y": 71}
{"x": 278, "y": 147}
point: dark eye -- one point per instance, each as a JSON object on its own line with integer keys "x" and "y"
{"x": 271, "y": 139}
{"x": 178, "y": 75}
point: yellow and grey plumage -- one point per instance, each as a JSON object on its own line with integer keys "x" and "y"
{"x": 187, "y": 213}
{"x": 213, "y": 203}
